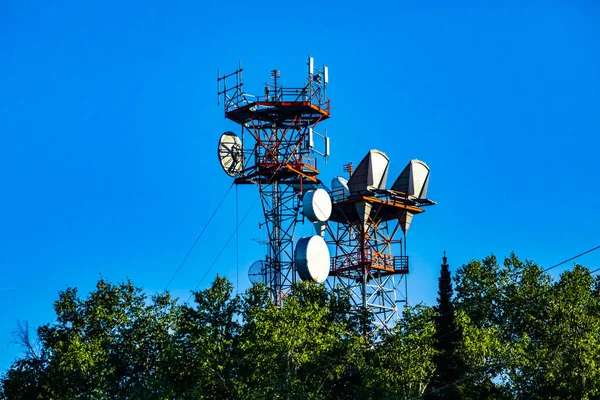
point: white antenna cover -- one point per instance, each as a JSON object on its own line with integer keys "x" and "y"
{"x": 339, "y": 185}
{"x": 371, "y": 173}
{"x": 404, "y": 219}
{"x": 312, "y": 259}
{"x": 413, "y": 180}
{"x": 317, "y": 205}
{"x": 327, "y": 146}
{"x": 326, "y": 73}
{"x": 311, "y": 65}
{"x": 311, "y": 139}
{"x": 231, "y": 154}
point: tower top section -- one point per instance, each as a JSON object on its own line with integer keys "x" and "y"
{"x": 278, "y": 106}
{"x": 277, "y": 151}
{"x": 279, "y": 141}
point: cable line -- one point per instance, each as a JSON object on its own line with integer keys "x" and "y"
{"x": 572, "y": 258}
{"x": 237, "y": 240}
{"x": 235, "y": 231}
{"x": 198, "y": 238}
{"x": 502, "y": 363}
{"x": 544, "y": 270}
{"x": 224, "y": 247}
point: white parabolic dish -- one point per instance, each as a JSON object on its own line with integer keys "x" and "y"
{"x": 257, "y": 272}
{"x": 317, "y": 205}
{"x": 231, "y": 154}
{"x": 312, "y": 259}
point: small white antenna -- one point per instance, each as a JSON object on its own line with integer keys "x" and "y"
{"x": 311, "y": 140}
{"x": 326, "y": 73}
{"x": 326, "y": 146}
{"x": 311, "y": 65}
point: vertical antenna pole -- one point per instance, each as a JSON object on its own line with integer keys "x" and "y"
{"x": 275, "y": 140}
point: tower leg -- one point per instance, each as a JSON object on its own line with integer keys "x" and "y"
{"x": 281, "y": 206}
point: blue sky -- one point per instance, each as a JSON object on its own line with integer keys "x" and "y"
{"x": 109, "y": 125}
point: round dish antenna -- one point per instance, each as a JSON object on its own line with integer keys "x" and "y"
{"x": 312, "y": 259}
{"x": 231, "y": 154}
{"x": 258, "y": 272}
{"x": 317, "y": 205}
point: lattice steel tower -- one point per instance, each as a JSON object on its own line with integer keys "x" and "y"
{"x": 276, "y": 152}
{"x": 368, "y": 262}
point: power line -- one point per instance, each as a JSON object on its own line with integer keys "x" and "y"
{"x": 198, "y": 238}
{"x": 501, "y": 364}
{"x": 236, "y": 228}
{"x": 572, "y": 258}
{"x": 548, "y": 269}
{"x": 224, "y": 247}
{"x": 237, "y": 242}
{"x": 476, "y": 370}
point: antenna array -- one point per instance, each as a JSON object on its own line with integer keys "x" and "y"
{"x": 277, "y": 133}
{"x": 276, "y": 152}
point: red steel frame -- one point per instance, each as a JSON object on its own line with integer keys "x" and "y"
{"x": 275, "y": 131}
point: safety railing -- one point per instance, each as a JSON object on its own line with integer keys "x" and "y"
{"x": 375, "y": 260}
{"x": 306, "y": 94}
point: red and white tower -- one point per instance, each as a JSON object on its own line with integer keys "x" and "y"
{"x": 276, "y": 151}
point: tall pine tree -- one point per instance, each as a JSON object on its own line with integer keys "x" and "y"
{"x": 449, "y": 366}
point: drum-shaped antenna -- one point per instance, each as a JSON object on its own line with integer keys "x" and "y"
{"x": 317, "y": 205}
{"x": 312, "y": 259}
{"x": 231, "y": 154}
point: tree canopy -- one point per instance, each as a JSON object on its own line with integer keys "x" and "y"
{"x": 522, "y": 335}
{"x": 449, "y": 366}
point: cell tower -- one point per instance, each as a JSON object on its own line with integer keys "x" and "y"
{"x": 276, "y": 152}
{"x": 368, "y": 262}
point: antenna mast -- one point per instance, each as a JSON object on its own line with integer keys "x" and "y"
{"x": 279, "y": 158}
{"x": 368, "y": 262}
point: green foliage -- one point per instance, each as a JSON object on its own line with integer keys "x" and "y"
{"x": 207, "y": 339}
{"x": 113, "y": 344}
{"x": 301, "y": 351}
{"x": 557, "y": 347}
{"x": 526, "y": 336}
{"x": 448, "y": 360}
{"x": 522, "y": 335}
{"x": 402, "y": 366}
